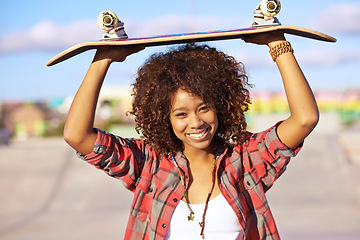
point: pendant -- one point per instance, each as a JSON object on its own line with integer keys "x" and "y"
{"x": 191, "y": 217}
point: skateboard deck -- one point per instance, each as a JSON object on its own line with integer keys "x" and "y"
{"x": 185, "y": 37}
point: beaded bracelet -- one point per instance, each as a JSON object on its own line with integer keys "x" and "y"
{"x": 280, "y": 49}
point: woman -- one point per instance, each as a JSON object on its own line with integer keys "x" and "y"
{"x": 197, "y": 172}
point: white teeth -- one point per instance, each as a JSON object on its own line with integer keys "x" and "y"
{"x": 197, "y": 135}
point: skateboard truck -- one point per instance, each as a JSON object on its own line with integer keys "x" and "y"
{"x": 265, "y": 12}
{"x": 112, "y": 26}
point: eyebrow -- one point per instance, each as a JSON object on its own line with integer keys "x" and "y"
{"x": 183, "y": 108}
{"x": 178, "y": 109}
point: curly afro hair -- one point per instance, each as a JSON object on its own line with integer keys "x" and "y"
{"x": 217, "y": 78}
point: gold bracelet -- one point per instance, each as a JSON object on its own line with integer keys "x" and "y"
{"x": 280, "y": 49}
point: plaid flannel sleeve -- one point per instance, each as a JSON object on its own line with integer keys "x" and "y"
{"x": 118, "y": 157}
{"x": 269, "y": 156}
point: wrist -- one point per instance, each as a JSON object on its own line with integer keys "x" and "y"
{"x": 275, "y": 43}
{"x": 276, "y": 39}
{"x": 100, "y": 57}
{"x": 279, "y": 48}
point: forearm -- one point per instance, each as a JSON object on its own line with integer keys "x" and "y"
{"x": 78, "y": 131}
{"x": 304, "y": 113}
{"x": 300, "y": 97}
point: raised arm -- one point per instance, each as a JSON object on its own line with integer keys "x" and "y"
{"x": 304, "y": 113}
{"x": 78, "y": 131}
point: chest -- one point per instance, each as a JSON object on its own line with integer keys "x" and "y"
{"x": 229, "y": 228}
{"x": 202, "y": 183}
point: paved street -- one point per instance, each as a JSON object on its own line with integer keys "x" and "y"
{"x": 47, "y": 193}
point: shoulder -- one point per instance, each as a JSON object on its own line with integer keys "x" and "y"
{"x": 266, "y": 141}
{"x": 107, "y": 142}
{"x": 104, "y": 137}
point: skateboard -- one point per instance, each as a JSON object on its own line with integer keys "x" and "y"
{"x": 114, "y": 33}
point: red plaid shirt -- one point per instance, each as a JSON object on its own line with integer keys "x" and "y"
{"x": 245, "y": 173}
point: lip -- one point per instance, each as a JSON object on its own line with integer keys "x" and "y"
{"x": 199, "y": 135}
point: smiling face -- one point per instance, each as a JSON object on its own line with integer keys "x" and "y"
{"x": 193, "y": 121}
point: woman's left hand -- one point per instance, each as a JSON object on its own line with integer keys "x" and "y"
{"x": 266, "y": 38}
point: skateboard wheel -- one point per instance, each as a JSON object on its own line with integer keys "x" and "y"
{"x": 270, "y": 8}
{"x": 107, "y": 20}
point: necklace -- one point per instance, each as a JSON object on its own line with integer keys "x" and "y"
{"x": 185, "y": 195}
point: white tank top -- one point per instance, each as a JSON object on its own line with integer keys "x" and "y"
{"x": 221, "y": 222}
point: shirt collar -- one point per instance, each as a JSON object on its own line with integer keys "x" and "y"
{"x": 220, "y": 154}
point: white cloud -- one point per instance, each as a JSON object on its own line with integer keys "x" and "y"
{"x": 177, "y": 24}
{"x": 253, "y": 59}
{"x": 324, "y": 57}
{"x": 319, "y": 57}
{"x": 342, "y": 17}
{"x": 47, "y": 35}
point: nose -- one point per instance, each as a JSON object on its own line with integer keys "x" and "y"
{"x": 195, "y": 121}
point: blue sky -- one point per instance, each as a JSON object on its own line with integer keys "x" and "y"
{"x": 32, "y": 32}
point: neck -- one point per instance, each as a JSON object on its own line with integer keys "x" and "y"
{"x": 199, "y": 156}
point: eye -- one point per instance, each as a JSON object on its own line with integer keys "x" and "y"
{"x": 204, "y": 108}
{"x": 181, "y": 114}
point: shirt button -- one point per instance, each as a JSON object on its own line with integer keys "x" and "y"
{"x": 164, "y": 225}
{"x": 175, "y": 200}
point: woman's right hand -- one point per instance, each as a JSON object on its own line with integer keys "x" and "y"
{"x": 116, "y": 53}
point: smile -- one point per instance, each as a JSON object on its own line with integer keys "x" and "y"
{"x": 198, "y": 135}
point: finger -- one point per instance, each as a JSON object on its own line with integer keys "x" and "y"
{"x": 246, "y": 39}
{"x": 135, "y": 49}
{"x": 139, "y": 48}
